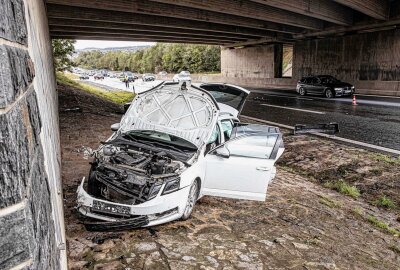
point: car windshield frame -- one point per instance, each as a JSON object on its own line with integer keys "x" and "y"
{"x": 184, "y": 145}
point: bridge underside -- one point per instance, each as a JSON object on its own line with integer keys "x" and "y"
{"x": 228, "y": 23}
{"x": 356, "y": 40}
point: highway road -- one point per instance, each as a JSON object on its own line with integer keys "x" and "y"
{"x": 116, "y": 84}
{"x": 375, "y": 120}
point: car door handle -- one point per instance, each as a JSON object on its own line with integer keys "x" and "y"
{"x": 263, "y": 168}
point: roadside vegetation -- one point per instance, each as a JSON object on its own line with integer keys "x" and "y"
{"x": 385, "y": 202}
{"x": 172, "y": 58}
{"x": 344, "y": 188}
{"x": 62, "y": 52}
{"x": 120, "y": 97}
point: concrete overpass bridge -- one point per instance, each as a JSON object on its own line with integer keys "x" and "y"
{"x": 355, "y": 40}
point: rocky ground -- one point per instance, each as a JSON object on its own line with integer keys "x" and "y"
{"x": 305, "y": 223}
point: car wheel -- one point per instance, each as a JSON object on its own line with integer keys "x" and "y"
{"x": 302, "y": 91}
{"x": 328, "y": 93}
{"x": 191, "y": 201}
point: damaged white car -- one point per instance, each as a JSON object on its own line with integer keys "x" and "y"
{"x": 175, "y": 144}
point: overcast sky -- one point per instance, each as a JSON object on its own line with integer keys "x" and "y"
{"x": 82, "y": 44}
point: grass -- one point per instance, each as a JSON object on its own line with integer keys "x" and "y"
{"x": 358, "y": 211}
{"x": 382, "y": 225}
{"x": 385, "y": 202}
{"x": 120, "y": 97}
{"x": 71, "y": 76}
{"x": 344, "y": 188}
{"x": 387, "y": 159}
{"x": 330, "y": 203}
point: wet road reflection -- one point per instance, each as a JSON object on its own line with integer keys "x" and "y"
{"x": 375, "y": 120}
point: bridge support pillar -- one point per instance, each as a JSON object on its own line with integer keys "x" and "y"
{"x": 31, "y": 215}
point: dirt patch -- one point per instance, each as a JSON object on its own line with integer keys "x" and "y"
{"x": 301, "y": 225}
{"x": 376, "y": 176}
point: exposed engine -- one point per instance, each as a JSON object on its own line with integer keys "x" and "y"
{"x": 132, "y": 176}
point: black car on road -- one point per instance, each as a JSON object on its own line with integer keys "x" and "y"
{"x": 325, "y": 85}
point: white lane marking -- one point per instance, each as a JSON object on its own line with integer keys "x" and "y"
{"x": 302, "y": 98}
{"x": 293, "y": 109}
{"x": 331, "y": 137}
{"x": 365, "y": 95}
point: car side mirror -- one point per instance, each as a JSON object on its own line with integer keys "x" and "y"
{"x": 222, "y": 152}
{"x": 115, "y": 127}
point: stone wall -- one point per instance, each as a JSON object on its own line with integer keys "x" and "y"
{"x": 31, "y": 219}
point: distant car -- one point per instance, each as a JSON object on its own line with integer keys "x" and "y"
{"x": 92, "y": 73}
{"x": 185, "y": 72}
{"x": 84, "y": 76}
{"x": 98, "y": 76}
{"x": 148, "y": 77}
{"x": 131, "y": 76}
{"x": 163, "y": 73}
{"x": 183, "y": 76}
{"x": 325, "y": 85}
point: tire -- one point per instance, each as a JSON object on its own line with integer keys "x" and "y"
{"x": 329, "y": 93}
{"x": 302, "y": 91}
{"x": 191, "y": 200}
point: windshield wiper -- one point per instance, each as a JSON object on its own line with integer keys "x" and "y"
{"x": 132, "y": 138}
{"x": 168, "y": 146}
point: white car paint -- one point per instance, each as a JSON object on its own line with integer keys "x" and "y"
{"x": 240, "y": 168}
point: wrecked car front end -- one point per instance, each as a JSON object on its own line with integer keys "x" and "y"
{"x": 124, "y": 181}
{"x": 141, "y": 176}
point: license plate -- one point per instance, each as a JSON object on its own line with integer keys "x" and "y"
{"x": 109, "y": 208}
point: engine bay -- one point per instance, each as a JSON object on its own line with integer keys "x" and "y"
{"x": 131, "y": 175}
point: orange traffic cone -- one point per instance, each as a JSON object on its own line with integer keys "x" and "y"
{"x": 354, "y": 100}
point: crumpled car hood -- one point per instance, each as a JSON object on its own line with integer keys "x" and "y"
{"x": 189, "y": 114}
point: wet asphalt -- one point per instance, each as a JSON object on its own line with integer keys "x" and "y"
{"x": 375, "y": 120}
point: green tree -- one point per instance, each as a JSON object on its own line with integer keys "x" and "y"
{"x": 62, "y": 53}
{"x": 163, "y": 56}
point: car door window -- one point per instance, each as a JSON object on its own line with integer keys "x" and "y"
{"x": 227, "y": 127}
{"x": 214, "y": 140}
{"x": 253, "y": 146}
{"x": 314, "y": 81}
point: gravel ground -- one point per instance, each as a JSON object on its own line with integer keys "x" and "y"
{"x": 301, "y": 225}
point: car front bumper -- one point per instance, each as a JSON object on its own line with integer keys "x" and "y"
{"x": 161, "y": 209}
{"x": 340, "y": 93}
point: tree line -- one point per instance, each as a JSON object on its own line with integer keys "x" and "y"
{"x": 161, "y": 57}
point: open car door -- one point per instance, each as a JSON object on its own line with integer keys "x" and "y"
{"x": 227, "y": 94}
{"x": 243, "y": 167}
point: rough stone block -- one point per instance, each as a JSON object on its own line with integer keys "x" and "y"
{"x": 19, "y": 137}
{"x": 14, "y": 158}
{"x": 39, "y": 215}
{"x": 14, "y": 240}
{"x": 16, "y": 73}
{"x": 12, "y": 21}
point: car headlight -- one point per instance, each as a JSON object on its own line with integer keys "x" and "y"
{"x": 352, "y": 87}
{"x": 171, "y": 186}
{"x": 154, "y": 191}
